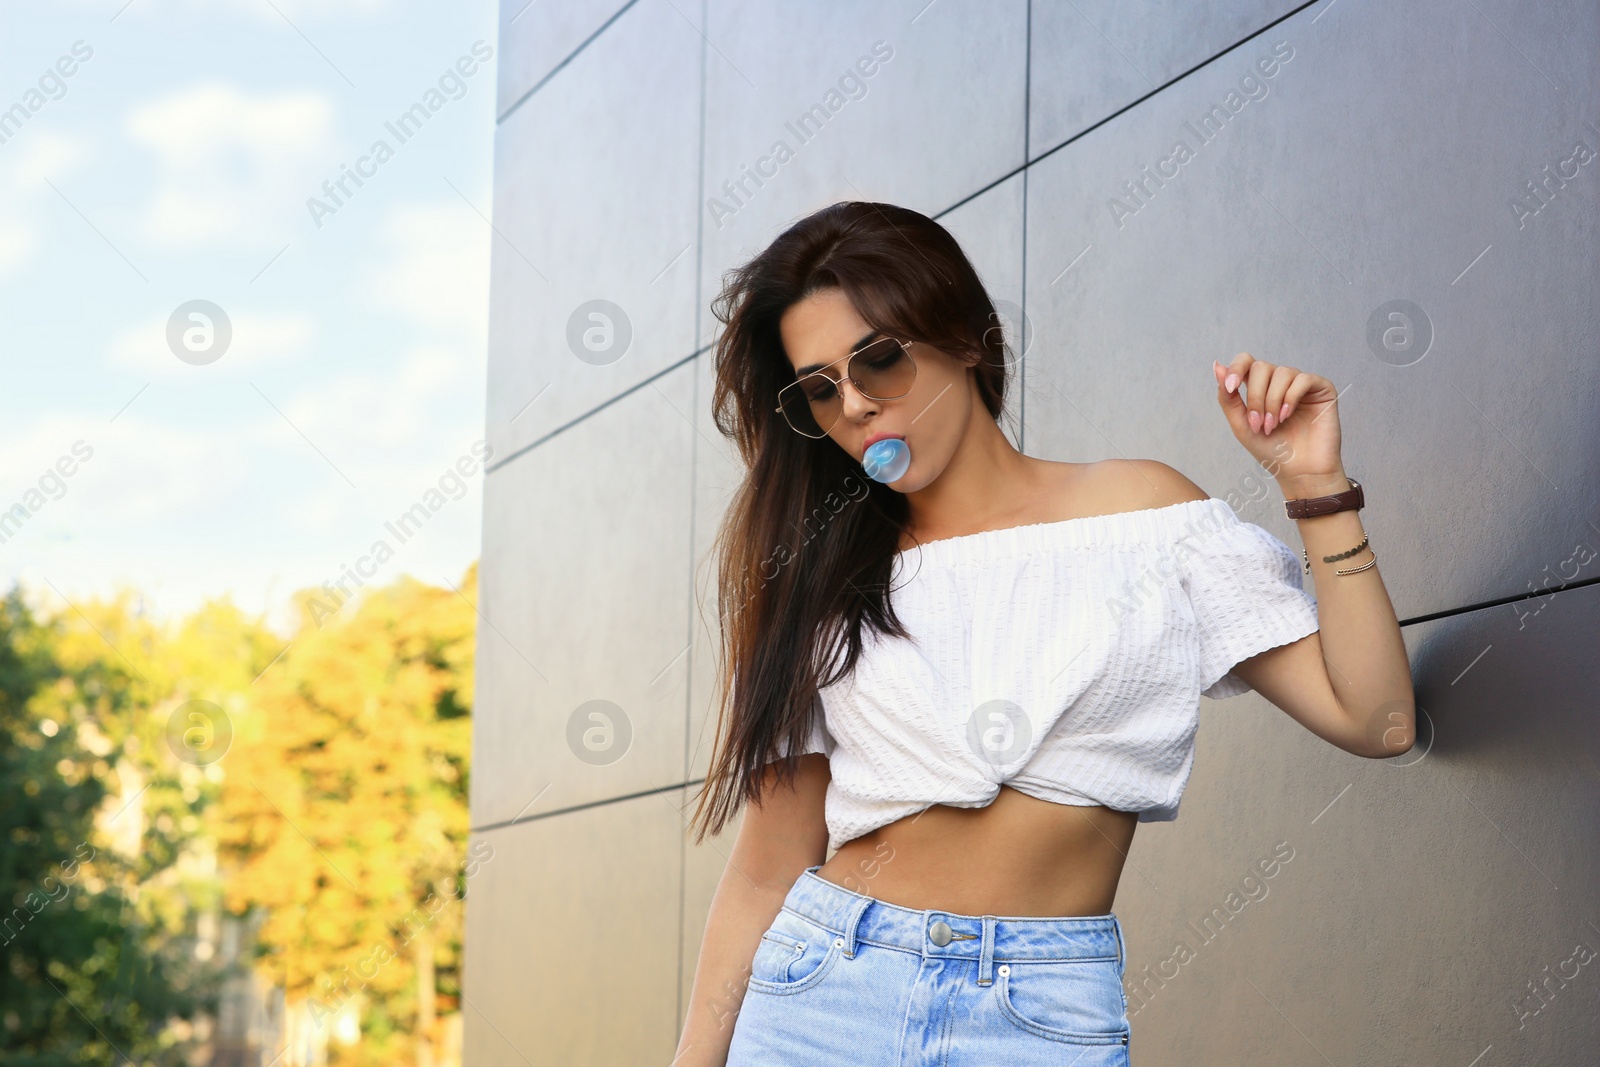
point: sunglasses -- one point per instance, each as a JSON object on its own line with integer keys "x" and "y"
{"x": 881, "y": 369}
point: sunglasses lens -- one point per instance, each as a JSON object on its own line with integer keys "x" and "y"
{"x": 883, "y": 369}
{"x": 812, "y": 405}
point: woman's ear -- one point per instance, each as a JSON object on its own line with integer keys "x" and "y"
{"x": 972, "y": 358}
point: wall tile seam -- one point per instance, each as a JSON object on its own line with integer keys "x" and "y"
{"x": 684, "y": 948}
{"x": 1130, "y": 105}
{"x": 575, "y": 420}
{"x": 694, "y": 378}
{"x": 589, "y": 805}
{"x": 1484, "y": 605}
{"x": 1027, "y": 146}
{"x": 540, "y": 84}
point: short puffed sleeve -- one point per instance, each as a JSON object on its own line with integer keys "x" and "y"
{"x": 1247, "y": 597}
{"x": 820, "y": 739}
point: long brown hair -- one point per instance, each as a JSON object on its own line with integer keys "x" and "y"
{"x": 807, "y": 545}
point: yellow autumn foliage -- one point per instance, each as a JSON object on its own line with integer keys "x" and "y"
{"x": 343, "y": 813}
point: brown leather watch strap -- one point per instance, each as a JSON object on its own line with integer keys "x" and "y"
{"x": 1351, "y": 499}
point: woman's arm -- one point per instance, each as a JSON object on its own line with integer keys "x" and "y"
{"x": 1358, "y": 639}
{"x": 1349, "y": 683}
{"x": 777, "y": 840}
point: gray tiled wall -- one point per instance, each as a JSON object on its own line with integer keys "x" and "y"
{"x": 1432, "y": 900}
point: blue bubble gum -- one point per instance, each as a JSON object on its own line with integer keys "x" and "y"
{"x": 887, "y": 460}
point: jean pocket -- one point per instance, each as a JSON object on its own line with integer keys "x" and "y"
{"x": 794, "y": 954}
{"x": 1078, "y": 1002}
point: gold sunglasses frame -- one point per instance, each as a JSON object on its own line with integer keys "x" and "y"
{"x": 905, "y": 346}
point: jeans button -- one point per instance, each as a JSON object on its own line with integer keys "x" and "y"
{"x": 939, "y": 933}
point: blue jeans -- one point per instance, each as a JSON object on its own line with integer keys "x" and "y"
{"x": 845, "y": 979}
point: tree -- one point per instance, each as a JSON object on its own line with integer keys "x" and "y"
{"x": 344, "y": 810}
{"x": 97, "y": 964}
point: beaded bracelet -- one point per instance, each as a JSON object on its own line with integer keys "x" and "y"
{"x": 1344, "y": 555}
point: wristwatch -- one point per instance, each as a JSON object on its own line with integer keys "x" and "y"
{"x": 1351, "y": 499}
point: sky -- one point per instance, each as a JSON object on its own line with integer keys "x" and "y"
{"x": 227, "y": 365}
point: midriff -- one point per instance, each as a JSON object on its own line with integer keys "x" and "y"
{"x": 1019, "y": 855}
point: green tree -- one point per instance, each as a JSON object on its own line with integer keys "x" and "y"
{"x": 94, "y": 969}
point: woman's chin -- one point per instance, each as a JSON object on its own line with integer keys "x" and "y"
{"x": 907, "y": 482}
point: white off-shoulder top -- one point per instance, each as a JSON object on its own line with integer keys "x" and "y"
{"x": 1065, "y": 659}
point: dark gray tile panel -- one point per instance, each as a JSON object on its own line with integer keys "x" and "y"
{"x": 989, "y": 229}
{"x": 572, "y": 942}
{"x": 585, "y": 597}
{"x": 1091, "y": 57}
{"x": 1409, "y": 908}
{"x": 1292, "y": 231}
{"x": 596, "y": 179}
{"x": 537, "y": 36}
{"x": 906, "y": 102}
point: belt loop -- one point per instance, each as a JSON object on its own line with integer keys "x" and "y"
{"x": 986, "y": 957}
{"x": 1122, "y": 947}
{"x": 858, "y": 907}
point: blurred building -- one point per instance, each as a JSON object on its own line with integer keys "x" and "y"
{"x": 249, "y": 1029}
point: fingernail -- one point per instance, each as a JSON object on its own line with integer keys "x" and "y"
{"x": 1232, "y": 383}
{"x": 1255, "y": 422}
{"x": 1283, "y": 412}
{"x": 1272, "y": 420}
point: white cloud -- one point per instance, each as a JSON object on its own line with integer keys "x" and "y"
{"x": 387, "y": 407}
{"x": 303, "y": 9}
{"x": 232, "y": 163}
{"x": 47, "y": 154}
{"x": 136, "y": 470}
{"x": 17, "y": 243}
{"x": 324, "y": 510}
{"x": 43, "y": 154}
{"x": 435, "y": 271}
{"x": 258, "y": 341}
{"x": 263, "y": 11}
{"x": 161, "y": 473}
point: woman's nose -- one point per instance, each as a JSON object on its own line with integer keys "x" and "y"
{"x": 856, "y": 402}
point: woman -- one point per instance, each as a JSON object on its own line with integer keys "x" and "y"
{"x": 972, "y": 682}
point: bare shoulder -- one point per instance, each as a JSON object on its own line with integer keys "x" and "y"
{"x": 1135, "y": 484}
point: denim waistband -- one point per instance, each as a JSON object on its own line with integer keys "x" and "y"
{"x": 857, "y": 919}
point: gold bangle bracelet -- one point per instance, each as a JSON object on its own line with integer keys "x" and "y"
{"x": 1357, "y": 570}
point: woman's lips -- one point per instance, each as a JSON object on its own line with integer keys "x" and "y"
{"x": 873, "y": 439}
